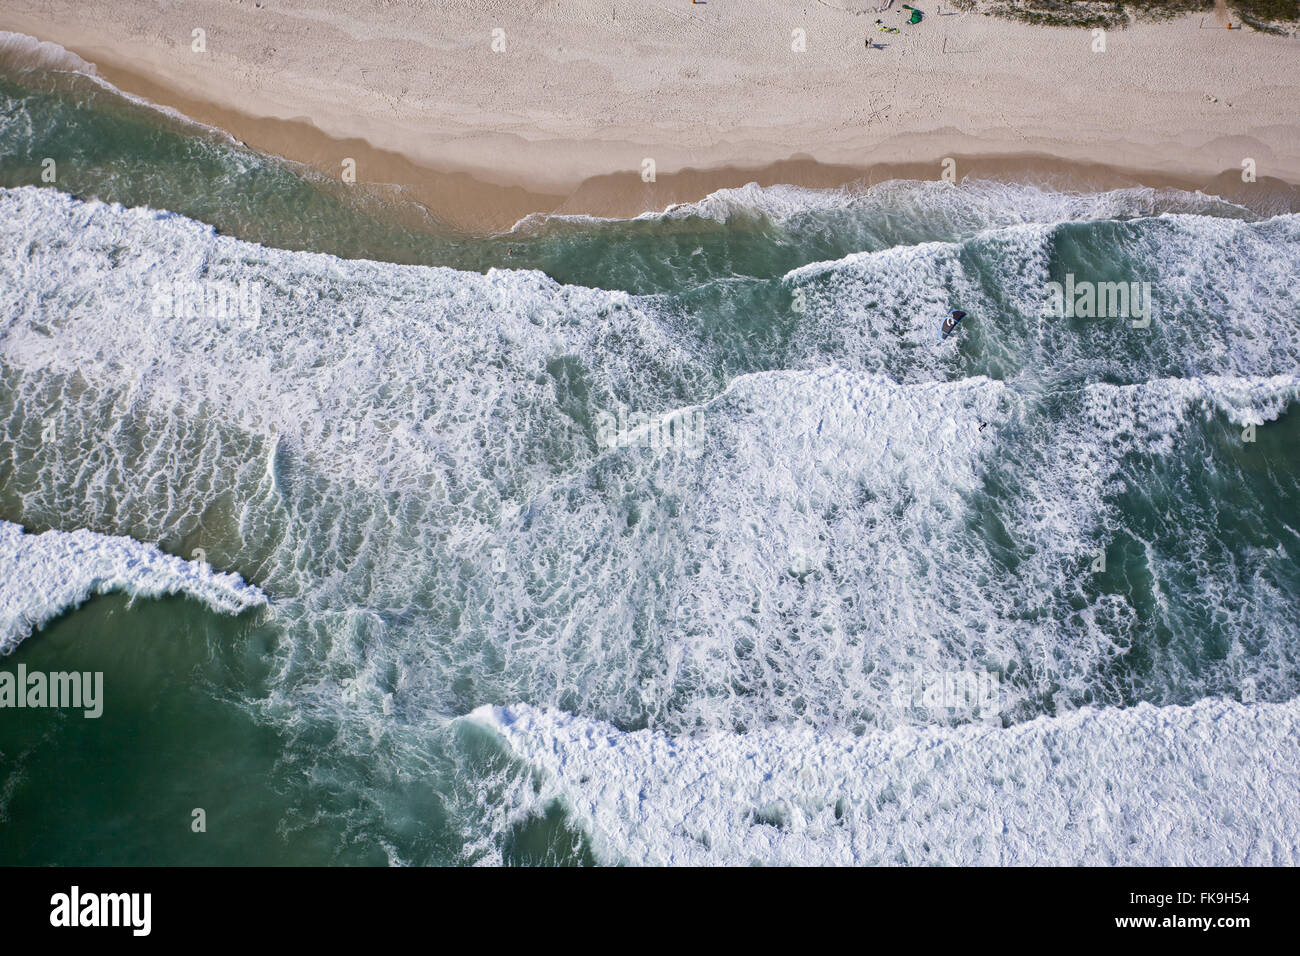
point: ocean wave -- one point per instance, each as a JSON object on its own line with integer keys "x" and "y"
{"x": 416, "y": 462}
{"x": 50, "y": 573}
{"x": 830, "y": 531}
{"x": 413, "y": 455}
{"x": 315, "y": 367}
{"x": 1213, "y": 784}
{"x": 880, "y": 310}
{"x": 972, "y": 205}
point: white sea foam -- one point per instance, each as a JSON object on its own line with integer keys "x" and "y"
{"x": 1214, "y": 784}
{"x": 775, "y": 569}
{"x": 47, "y": 574}
{"x": 334, "y": 342}
{"x": 403, "y": 451}
{"x": 972, "y": 205}
{"x": 819, "y": 542}
{"x": 968, "y": 207}
{"x": 720, "y": 206}
{"x": 359, "y": 448}
{"x": 880, "y": 310}
{"x": 407, "y": 458}
{"x": 1162, "y": 405}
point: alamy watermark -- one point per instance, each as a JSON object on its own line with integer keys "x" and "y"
{"x": 678, "y": 430}
{"x": 1099, "y": 300}
{"x": 75, "y": 909}
{"x": 222, "y": 302}
{"x": 961, "y": 694}
{"x": 82, "y": 690}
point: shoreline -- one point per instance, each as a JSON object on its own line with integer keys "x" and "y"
{"x": 600, "y": 177}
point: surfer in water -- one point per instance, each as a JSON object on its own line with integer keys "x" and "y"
{"x": 950, "y": 324}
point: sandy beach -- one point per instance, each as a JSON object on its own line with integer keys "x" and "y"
{"x": 576, "y": 97}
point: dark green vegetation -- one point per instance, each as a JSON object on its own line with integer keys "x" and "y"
{"x": 1266, "y": 14}
{"x": 1262, "y": 15}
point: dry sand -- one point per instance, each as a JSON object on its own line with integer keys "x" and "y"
{"x": 586, "y": 90}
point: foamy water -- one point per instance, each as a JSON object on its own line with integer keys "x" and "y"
{"x": 1211, "y": 784}
{"x": 696, "y": 645}
{"x": 48, "y": 574}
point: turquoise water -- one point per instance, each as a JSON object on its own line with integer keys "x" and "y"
{"x": 403, "y": 452}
